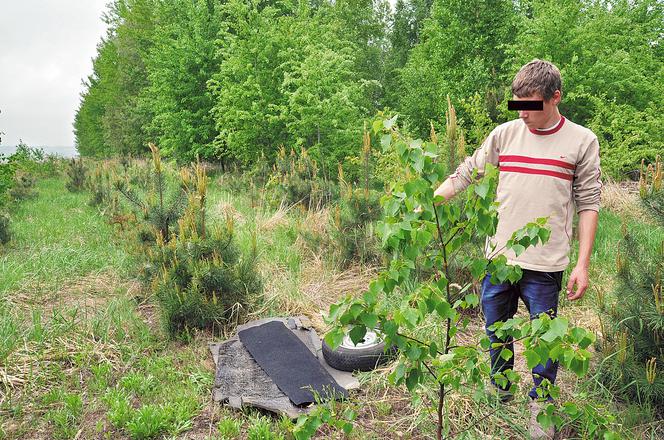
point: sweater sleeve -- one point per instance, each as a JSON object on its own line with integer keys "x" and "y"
{"x": 486, "y": 153}
{"x": 587, "y": 184}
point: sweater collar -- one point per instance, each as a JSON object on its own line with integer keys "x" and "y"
{"x": 552, "y": 130}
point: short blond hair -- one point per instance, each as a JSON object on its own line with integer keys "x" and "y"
{"x": 538, "y": 76}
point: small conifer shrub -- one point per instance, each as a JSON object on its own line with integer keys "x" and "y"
{"x": 296, "y": 179}
{"x": 159, "y": 207}
{"x": 633, "y": 343}
{"x": 76, "y": 174}
{"x": 200, "y": 277}
{"x": 5, "y": 233}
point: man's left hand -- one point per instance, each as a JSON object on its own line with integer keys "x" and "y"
{"x": 579, "y": 276}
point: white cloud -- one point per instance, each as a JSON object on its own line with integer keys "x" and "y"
{"x": 46, "y": 50}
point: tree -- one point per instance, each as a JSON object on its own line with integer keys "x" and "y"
{"x": 461, "y": 52}
{"x": 180, "y": 62}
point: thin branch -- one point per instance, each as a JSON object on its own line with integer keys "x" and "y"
{"x": 418, "y": 341}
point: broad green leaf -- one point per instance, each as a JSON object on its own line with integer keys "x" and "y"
{"x": 506, "y": 354}
{"x": 532, "y": 358}
{"x": 413, "y": 379}
{"x": 385, "y": 141}
{"x": 557, "y": 329}
{"x": 357, "y": 334}
{"x": 334, "y": 338}
{"x": 369, "y": 320}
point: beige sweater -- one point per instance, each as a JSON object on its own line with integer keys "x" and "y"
{"x": 542, "y": 173}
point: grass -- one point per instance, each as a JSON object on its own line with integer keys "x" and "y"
{"x": 57, "y": 239}
{"x": 82, "y": 353}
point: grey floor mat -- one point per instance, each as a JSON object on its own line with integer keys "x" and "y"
{"x": 240, "y": 381}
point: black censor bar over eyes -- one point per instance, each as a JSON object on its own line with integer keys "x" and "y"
{"x": 535, "y": 105}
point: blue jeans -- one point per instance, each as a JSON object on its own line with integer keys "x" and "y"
{"x": 539, "y": 292}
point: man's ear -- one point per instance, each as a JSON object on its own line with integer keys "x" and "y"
{"x": 557, "y": 97}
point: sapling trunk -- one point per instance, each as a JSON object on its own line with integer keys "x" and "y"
{"x": 446, "y": 347}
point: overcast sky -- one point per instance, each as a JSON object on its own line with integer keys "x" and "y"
{"x": 46, "y": 49}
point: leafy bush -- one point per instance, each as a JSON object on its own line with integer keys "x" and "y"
{"x": 420, "y": 232}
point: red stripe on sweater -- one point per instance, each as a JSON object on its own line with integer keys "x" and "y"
{"x": 526, "y": 159}
{"x": 524, "y": 170}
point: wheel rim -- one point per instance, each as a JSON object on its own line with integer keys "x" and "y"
{"x": 370, "y": 339}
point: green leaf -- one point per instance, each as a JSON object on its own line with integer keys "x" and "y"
{"x": 357, "y": 334}
{"x": 518, "y": 249}
{"x": 544, "y": 234}
{"x": 413, "y": 379}
{"x": 482, "y": 189}
{"x": 389, "y": 123}
{"x": 506, "y": 354}
{"x": 411, "y": 316}
{"x": 557, "y": 329}
{"x": 414, "y": 352}
{"x": 377, "y": 125}
{"x": 472, "y": 300}
{"x": 399, "y": 373}
{"x": 478, "y": 268}
{"x": 369, "y": 320}
{"x": 532, "y": 359}
{"x": 390, "y": 328}
{"x": 385, "y": 141}
{"x": 334, "y": 338}
{"x": 355, "y": 310}
{"x": 444, "y": 310}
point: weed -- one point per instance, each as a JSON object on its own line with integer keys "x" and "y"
{"x": 259, "y": 429}
{"x": 147, "y": 422}
{"x": 120, "y": 410}
{"x": 229, "y": 428}
{"x": 66, "y": 417}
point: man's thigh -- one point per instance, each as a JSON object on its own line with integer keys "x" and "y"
{"x": 539, "y": 291}
{"x": 499, "y": 301}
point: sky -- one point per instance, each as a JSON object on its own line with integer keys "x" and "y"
{"x": 46, "y": 50}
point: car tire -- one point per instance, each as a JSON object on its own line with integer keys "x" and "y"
{"x": 366, "y": 356}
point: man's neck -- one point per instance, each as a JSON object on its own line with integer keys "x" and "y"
{"x": 551, "y": 122}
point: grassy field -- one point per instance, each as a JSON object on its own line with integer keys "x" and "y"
{"x": 83, "y": 354}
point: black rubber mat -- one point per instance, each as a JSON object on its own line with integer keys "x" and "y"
{"x": 290, "y": 364}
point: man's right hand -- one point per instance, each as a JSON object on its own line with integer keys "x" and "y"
{"x": 445, "y": 190}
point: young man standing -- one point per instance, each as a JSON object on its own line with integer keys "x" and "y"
{"x": 549, "y": 166}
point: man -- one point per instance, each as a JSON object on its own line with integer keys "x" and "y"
{"x": 547, "y": 164}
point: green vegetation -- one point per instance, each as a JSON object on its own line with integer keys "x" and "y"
{"x": 222, "y": 81}
{"x": 274, "y": 192}
{"x": 75, "y": 269}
